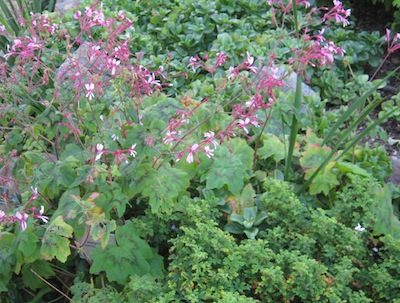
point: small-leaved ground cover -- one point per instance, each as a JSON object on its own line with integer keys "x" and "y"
{"x": 155, "y": 151}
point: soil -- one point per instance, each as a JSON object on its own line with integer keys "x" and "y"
{"x": 371, "y": 18}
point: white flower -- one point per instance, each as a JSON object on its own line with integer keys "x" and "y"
{"x": 208, "y": 151}
{"x": 193, "y": 148}
{"x": 99, "y": 149}
{"x": 360, "y": 228}
{"x": 132, "y": 150}
{"x": 89, "y": 88}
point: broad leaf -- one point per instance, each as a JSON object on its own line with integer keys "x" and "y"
{"x": 324, "y": 182}
{"x": 387, "y": 222}
{"x": 55, "y": 242}
{"x": 229, "y": 169}
{"x": 347, "y": 167}
{"x": 164, "y": 187}
{"x": 130, "y": 256}
{"x": 272, "y": 147}
{"x": 40, "y": 267}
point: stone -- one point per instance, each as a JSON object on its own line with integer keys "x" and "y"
{"x": 63, "y": 6}
{"x": 395, "y": 177}
{"x": 83, "y": 61}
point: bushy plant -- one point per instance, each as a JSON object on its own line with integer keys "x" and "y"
{"x": 114, "y": 139}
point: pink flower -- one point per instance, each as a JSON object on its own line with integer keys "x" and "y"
{"x": 169, "y": 137}
{"x": 89, "y": 88}
{"x": 250, "y": 59}
{"x": 193, "y": 148}
{"x": 152, "y": 80}
{"x": 338, "y": 13}
{"x": 113, "y": 63}
{"x": 132, "y": 150}
{"x": 210, "y": 138}
{"x": 77, "y": 15}
{"x": 121, "y": 15}
{"x": 209, "y": 152}
{"x": 221, "y": 58}
{"x": 243, "y": 123}
{"x": 34, "y": 196}
{"x": 40, "y": 216}
{"x": 2, "y": 215}
{"x": 193, "y": 63}
{"x": 248, "y": 64}
{"x": 22, "y": 220}
{"x": 233, "y": 73}
{"x": 392, "y": 47}
{"x": 99, "y": 149}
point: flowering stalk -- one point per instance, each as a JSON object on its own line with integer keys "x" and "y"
{"x": 22, "y": 216}
{"x": 392, "y": 46}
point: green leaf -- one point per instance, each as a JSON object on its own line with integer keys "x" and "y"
{"x": 247, "y": 196}
{"x": 55, "y": 242}
{"x": 347, "y": 167}
{"x": 144, "y": 174}
{"x": 27, "y": 248}
{"x": 251, "y": 233}
{"x": 130, "y": 256}
{"x": 165, "y": 187}
{"x": 99, "y": 231}
{"x": 387, "y": 222}
{"x": 127, "y": 234}
{"x": 241, "y": 149}
{"x": 42, "y": 268}
{"x": 237, "y": 218}
{"x": 229, "y": 168}
{"x": 272, "y": 147}
{"x": 250, "y": 213}
{"x": 56, "y": 176}
{"x": 234, "y": 228}
{"x": 324, "y": 182}
{"x": 7, "y": 261}
{"x": 313, "y": 156}
{"x": 260, "y": 218}
{"x": 116, "y": 261}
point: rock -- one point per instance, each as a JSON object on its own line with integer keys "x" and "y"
{"x": 64, "y": 6}
{"x": 290, "y": 82}
{"x": 289, "y": 79}
{"x": 85, "y": 62}
{"x": 395, "y": 177}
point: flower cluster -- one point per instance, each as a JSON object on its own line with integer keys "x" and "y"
{"x": 203, "y": 146}
{"x": 22, "y": 216}
{"x": 338, "y": 13}
{"x": 120, "y": 155}
{"x": 233, "y": 72}
{"x": 286, "y": 6}
{"x": 393, "y": 45}
{"x": 204, "y": 63}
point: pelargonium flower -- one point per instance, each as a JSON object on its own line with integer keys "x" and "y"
{"x": 221, "y": 58}
{"x": 208, "y": 151}
{"x": 99, "y": 149}
{"x": 22, "y": 217}
{"x": 210, "y": 138}
{"x": 392, "y": 47}
{"x": 40, "y": 216}
{"x": 132, "y": 150}
{"x": 338, "y": 13}
{"x": 359, "y": 228}
{"x": 89, "y": 88}
{"x": 193, "y": 148}
{"x": 77, "y": 15}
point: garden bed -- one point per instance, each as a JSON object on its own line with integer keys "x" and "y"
{"x": 200, "y": 151}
